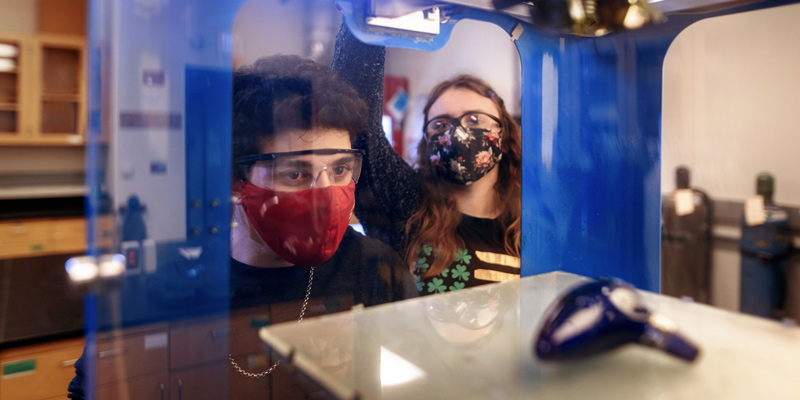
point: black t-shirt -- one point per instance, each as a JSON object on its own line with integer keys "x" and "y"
{"x": 362, "y": 271}
{"x": 362, "y": 268}
{"x": 482, "y": 260}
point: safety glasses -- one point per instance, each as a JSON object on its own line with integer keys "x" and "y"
{"x": 306, "y": 169}
{"x": 473, "y": 120}
{"x": 602, "y": 315}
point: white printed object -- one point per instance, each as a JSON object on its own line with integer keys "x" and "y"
{"x": 684, "y": 202}
{"x": 754, "y": 211}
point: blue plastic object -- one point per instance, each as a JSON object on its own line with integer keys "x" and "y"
{"x": 602, "y": 315}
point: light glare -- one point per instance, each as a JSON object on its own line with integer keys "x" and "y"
{"x": 396, "y": 370}
{"x": 81, "y": 269}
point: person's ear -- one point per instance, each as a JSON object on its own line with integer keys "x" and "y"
{"x": 236, "y": 191}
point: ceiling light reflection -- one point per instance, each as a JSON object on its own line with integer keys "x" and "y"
{"x": 396, "y": 370}
{"x": 7, "y": 65}
{"x": 8, "y": 50}
{"x": 81, "y": 269}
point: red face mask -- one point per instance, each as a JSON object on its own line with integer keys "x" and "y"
{"x": 304, "y": 227}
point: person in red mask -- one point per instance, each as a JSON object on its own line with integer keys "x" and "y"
{"x": 294, "y": 176}
{"x": 295, "y": 173}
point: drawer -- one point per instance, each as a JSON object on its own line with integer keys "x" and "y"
{"x": 290, "y": 311}
{"x": 69, "y": 228}
{"x": 24, "y": 231}
{"x": 27, "y": 238}
{"x": 40, "y": 375}
{"x": 131, "y": 355}
{"x": 69, "y": 245}
{"x": 149, "y": 387}
{"x": 246, "y": 323}
{"x": 69, "y": 235}
{"x": 217, "y": 381}
{"x": 25, "y": 249}
{"x": 199, "y": 340}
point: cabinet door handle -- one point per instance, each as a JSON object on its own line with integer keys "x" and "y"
{"x": 68, "y": 363}
{"x": 19, "y": 229}
{"x": 112, "y": 352}
{"x": 224, "y": 332}
{"x": 180, "y": 389}
{"x": 161, "y": 387}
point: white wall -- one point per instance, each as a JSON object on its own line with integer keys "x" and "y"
{"x": 265, "y": 27}
{"x": 731, "y": 109}
{"x": 491, "y": 56}
{"x": 268, "y": 27}
{"x": 732, "y": 104}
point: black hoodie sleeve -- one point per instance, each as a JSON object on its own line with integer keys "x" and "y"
{"x": 388, "y": 190}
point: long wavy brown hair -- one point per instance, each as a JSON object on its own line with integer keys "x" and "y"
{"x": 437, "y": 217}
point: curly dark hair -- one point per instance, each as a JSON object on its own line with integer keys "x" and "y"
{"x": 283, "y": 93}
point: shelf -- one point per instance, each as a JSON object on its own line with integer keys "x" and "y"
{"x": 52, "y": 139}
{"x": 43, "y": 101}
{"x": 61, "y": 97}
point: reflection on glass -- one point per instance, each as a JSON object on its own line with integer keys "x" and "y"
{"x": 726, "y": 130}
{"x": 396, "y": 370}
{"x": 8, "y": 50}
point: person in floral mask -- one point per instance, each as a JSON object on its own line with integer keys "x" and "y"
{"x": 456, "y": 216}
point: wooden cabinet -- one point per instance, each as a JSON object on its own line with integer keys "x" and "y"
{"x": 42, "y": 89}
{"x": 38, "y": 237}
{"x": 23, "y": 238}
{"x": 181, "y": 360}
{"x": 130, "y": 353}
{"x": 39, "y": 372}
{"x": 12, "y": 98}
{"x": 149, "y": 387}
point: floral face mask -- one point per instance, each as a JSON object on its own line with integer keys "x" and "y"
{"x": 463, "y": 150}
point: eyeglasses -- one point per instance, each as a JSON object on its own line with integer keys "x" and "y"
{"x": 473, "y": 120}
{"x": 306, "y": 169}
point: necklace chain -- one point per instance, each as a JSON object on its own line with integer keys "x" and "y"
{"x": 275, "y": 365}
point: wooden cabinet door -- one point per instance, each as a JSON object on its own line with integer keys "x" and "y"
{"x": 42, "y": 90}
{"x": 149, "y": 387}
{"x": 205, "y": 382}
{"x": 216, "y": 381}
{"x": 39, "y": 372}
{"x": 60, "y": 111}
{"x": 15, "y": 96}
{"x": 132, "y": 352}
{"x": 199, "y": 341}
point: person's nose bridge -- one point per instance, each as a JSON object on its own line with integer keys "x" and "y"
{"x": 322, "y": 178}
